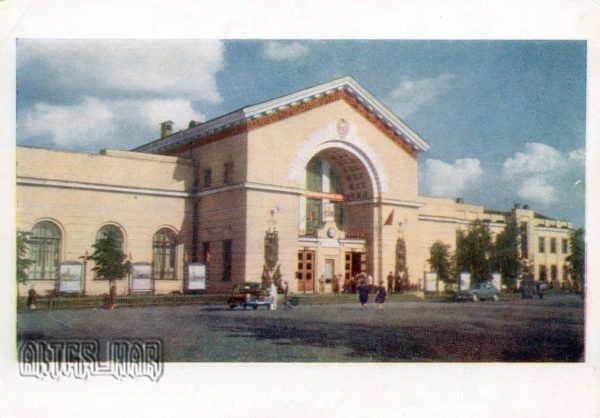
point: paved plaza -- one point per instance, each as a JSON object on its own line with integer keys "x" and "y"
{"x": 551, "y": 329}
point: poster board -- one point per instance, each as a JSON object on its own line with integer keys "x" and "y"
{"x": 465, "y": 281}
{"x": 497, "y": 280}
{"x": 430, "y": 281}
{"x": 196, "y": 276}
{"x": 141, "y": 277}
{"x": 70, "y": 277}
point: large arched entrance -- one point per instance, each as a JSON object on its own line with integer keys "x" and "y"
{"x": 337, "y": 219}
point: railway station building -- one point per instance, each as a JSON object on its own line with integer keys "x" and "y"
{"x": 330, "y": 169}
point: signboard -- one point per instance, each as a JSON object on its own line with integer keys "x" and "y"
{"x": 497, "y": 280}
{"x": 465, "y": 281}
{"x": 430, "y": 281}
{"x": 196, "y": 276}
{"x": 328, "y": 212}
{"x": 70, "y": 277}
{"x": 141, "y": 277}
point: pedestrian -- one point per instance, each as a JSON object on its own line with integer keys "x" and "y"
{"x": 541, "y": 287}
{"x": 370, "y": 282}
{"x": 336, "y": 284}
{"x": 380, "y": 295}
{"x": 390, "y": 282}
{"x": 398, "y": 283}
{"x": 286, "y": 299}
{"x": 363, "y": 294}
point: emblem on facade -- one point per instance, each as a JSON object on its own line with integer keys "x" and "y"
{"x": 342, "y": 128}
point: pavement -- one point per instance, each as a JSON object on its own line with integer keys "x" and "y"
{"x": 532, "y": 330}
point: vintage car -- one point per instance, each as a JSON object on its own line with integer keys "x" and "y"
{"x": 480, "y": 291}
{"x": 249, "y": 295}
{"x": 529, "y": 289}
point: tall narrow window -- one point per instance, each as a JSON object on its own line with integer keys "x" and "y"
{"x": 565, "y": 246}
{"x": 207, "y": 177}
{"x": 226, "y": 260}
{"x": 553, "y": 245}
{"x": 163, "y": 254}
{"x": 44, "y": 250}
{"x": 524, "y": 243}
{"x": 543, "y": 273}
{"x": 228, "y": 172}
{"x": 541, "y": 245}
{"x": 102, "y": 232}
{"x": 553, "y": 273}
{"x": 206, "y": 257}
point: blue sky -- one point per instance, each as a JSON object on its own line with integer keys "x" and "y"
{"x": 505, "y": 119}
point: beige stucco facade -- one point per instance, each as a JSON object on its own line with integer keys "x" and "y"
{"x": 221, "y": 185}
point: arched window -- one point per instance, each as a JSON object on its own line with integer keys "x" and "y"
{"x": 111, "y": 228}
{"x": 44, "y": 251}
{"x": 163, "y": 254}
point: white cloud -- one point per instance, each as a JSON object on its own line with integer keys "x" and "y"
{"x": 281, "y": 51}
{"x": 537, "y": 189}
{"x": 541, "y": 174}
{"x": 450, "y": 180}
{"x": 105, "y": 122}
{"x": 69, "y": 125}
{"x": 577, "y": 157}
{"x": 89, "y": 94}
{"x": 413, "y": 94}
{"x": 537, "y": 159}
{"x": 127, "y": 68}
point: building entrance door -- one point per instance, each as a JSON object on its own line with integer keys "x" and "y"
{"x": 306, "y": 270}
{"x": 356, "y": 262}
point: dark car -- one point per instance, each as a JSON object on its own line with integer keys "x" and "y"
{"x": 480, "y": 291}
{"x": 249, "y": 294}
{"x": 529, "y": 289}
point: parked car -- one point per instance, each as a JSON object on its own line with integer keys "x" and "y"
{"x": 480, "y": 291}
{"x": 528, "y": 289}
{"x": 249, "y": 295}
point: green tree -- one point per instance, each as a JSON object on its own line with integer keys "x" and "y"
{"x": 110, "y": 261}
{"x": 23, "y": 262}
{"x": 474, "y": 249}
{"x": 576, "y": 259}
{"x": 506, "y": 258}
{"x": 439, "y": 260}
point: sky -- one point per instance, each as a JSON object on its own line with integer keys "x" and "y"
{"x": 505, "y": 119}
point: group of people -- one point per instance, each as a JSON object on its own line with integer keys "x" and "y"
{"x": 364, "y": 289}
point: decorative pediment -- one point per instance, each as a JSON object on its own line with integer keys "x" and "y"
{"x": 261, "y": 114}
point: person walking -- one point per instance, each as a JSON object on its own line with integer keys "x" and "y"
{"x": 363, "y": 294}
{"x": 380, "y": 295}
{"x": 390, "y": 282}
{"x": 286, "y": 299}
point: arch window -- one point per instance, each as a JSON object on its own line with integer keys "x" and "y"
{"x": 163, "y": 254}
{"x": 106, "y": 229}
{"x": 44, "y": 250}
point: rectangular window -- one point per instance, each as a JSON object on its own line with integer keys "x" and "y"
{"x": 541, "y": 245}
{"x": 207, "y": 177}
{"x": 206, "y": 252}
{"x": 206, "y": 257}
{"x": 226, "y": 260}
{"x": 228, "y": 172}
{"x": 543, "y": 273}
{"x": 565, "y": 245}
{"x": 553, "y": 273}
{"x": 553, "y": 245}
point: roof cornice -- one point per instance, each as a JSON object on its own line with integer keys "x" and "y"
{"x": 249, "y": 113}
